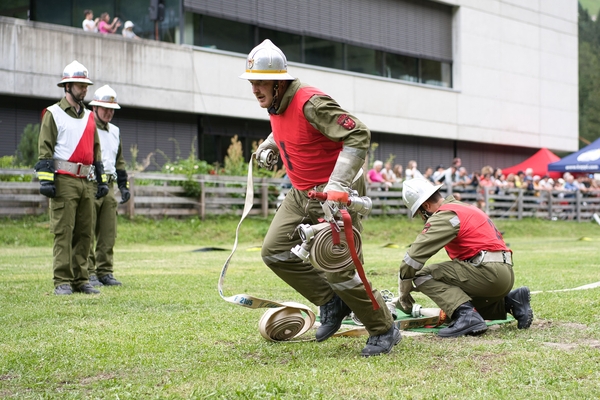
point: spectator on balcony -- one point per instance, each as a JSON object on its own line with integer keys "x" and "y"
{"x": 89, "y": 23}
{"x": 128, "y": 31}
{"x": 105, "y": 26}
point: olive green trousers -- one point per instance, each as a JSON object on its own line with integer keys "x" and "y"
{"x": 316, "y": 285}
{"x": 71, "y": 223}
{"x": 104, "y": 221}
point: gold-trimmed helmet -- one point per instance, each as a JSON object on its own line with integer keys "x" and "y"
{"x": 266, "y": 62}
{"x": 74, "y": 72}
{"x": 415, "y": 192}
{"x": 105, "y": 97}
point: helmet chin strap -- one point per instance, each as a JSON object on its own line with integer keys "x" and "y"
{"x": 425, "y": 214}
{"x": 98, "y": 116}
{"x": 273, "y": 108}
{"x": 80, "y": 102}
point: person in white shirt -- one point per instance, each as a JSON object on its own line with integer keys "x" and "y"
{"x": 89, "y": 23}
{"x": 412, "y": 171}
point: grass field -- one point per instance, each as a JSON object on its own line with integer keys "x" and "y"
{"x": 166, "y": 333}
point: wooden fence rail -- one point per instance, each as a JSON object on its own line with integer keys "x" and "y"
{"x": 159, "y": 195}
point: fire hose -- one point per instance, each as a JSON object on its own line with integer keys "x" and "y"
{"x": 284, "y": 321}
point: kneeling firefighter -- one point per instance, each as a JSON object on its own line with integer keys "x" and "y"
{"x": 323, "y": 148}
{"x": 476, "y": 283}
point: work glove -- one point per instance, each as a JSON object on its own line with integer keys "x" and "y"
{"x": 101, "y": 179}
{"x": 125, "y": 195}
{"x": 263, "y": 158}
{"x": 102, "y": 190}
{"x": 123, "y": 184}
{"x": 405, "y": 300}
{"x": 45, "y": 172}
{"x": 48, "y": 189}
{"x": 346, "y": 168}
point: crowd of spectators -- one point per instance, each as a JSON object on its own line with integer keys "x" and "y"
{"x": 105, "y": 26}
{"x": 456, "y": 180}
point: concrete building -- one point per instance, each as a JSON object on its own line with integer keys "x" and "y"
{"x": 490, "y": 81}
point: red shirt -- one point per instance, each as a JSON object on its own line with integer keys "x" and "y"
{"x": 308, "y": 155}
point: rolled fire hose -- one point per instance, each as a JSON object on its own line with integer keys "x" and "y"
{"x": 284, "y": 321}
{"x": 333, "y": 258}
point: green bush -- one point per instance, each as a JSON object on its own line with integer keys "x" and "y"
{"x": 7, "y": 161}
{"x": 28, "y": 148}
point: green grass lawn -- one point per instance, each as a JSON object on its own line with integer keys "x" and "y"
{"x": 167, "y": 334}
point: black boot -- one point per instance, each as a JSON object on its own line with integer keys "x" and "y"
{"x": 86, "y": 288}
{"x": 109, "y": 280}
{"x": 382, "y": 344}
{"x": 331, "y": 315}
{"x": 465, "y": 321}
{"x": 517, "y": 303}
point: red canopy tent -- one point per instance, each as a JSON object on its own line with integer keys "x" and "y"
{"x": 538, "y": 162}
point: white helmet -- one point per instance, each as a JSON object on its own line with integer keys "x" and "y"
{"x": 266, "y": 62}
{"x": 74, "y": 72}
{"x": 415, "y": 192}
{"x": 105, "y": 97}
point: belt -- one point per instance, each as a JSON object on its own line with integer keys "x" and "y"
{"x": 78, "y": 170}
{"x": 491, "y": 256}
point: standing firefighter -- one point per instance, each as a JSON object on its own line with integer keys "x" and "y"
{"x": 100, "y": 262}
{"x": 323, "y": 148}
{"x": 477, "y": 282}
{"x": 69, "y": 159}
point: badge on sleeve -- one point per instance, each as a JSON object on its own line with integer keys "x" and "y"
{"x": 425, "y": 228}
{"x": 346, "y": 122}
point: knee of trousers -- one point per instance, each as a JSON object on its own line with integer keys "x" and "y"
{"x": 281, "y": 260}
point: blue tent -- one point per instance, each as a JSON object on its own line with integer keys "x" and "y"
{"x": 585, "y": 160}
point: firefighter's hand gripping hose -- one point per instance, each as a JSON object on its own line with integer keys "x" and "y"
{"x": 284, "y": 321}
{"x": 330, "y": 253}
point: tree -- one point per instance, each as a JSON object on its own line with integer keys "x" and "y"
{"x": 589, "y": 77}
{"x": 28, "y": 149}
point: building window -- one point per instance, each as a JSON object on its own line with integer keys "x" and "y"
{"x": 401, "y": 67}
{"x": 435, "y": 73}
{"x": 363, "y": 60}
{"x": 289, "y": 43}
{"x": 217, "y": 33}
{"x": 324, "y": 53}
